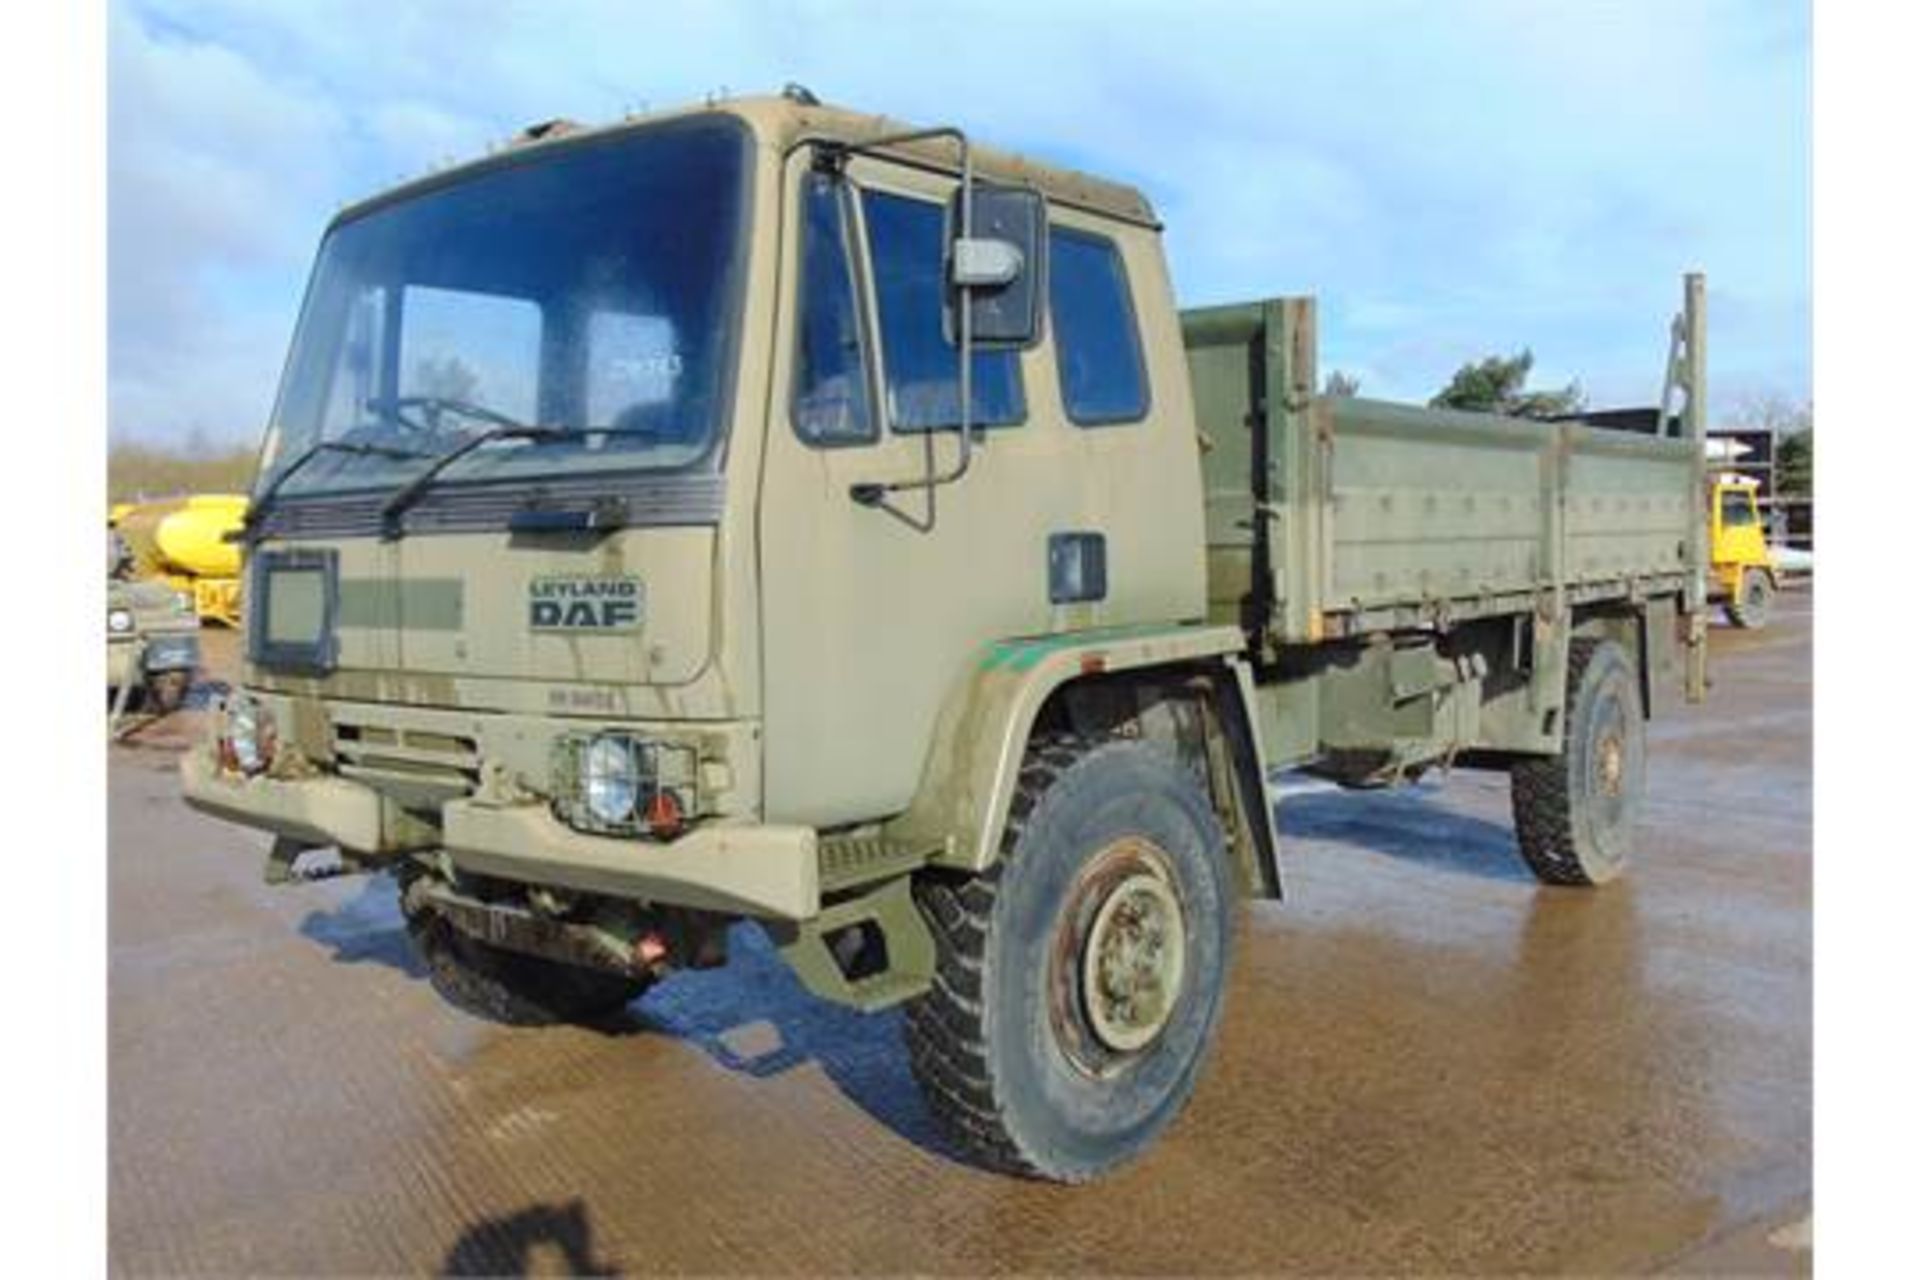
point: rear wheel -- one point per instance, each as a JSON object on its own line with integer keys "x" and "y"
{"x": 1749, "y": 608}
{"x": 1574, "y": 812}
{"x": 1080, "y": 979}
{"x": 509, "y": 987}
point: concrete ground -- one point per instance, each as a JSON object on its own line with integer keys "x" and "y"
{"x": 1428, "y": 1064}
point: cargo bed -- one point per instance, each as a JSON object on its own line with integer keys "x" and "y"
{"x": 1333, "y": 516}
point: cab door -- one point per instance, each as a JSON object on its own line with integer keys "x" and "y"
{"x": 1738, "y": 540}
{"x": 868, "y": 617}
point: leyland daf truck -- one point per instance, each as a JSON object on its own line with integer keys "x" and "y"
{"x": 774, "y": 513}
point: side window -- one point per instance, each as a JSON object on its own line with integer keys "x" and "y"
{"x": 1736, "y": 508}
{"x": 481, "y": 348}
{"x": 923, "y": 387}
{"x": 831, "y": 403}
{"x": 1095, "y": 337}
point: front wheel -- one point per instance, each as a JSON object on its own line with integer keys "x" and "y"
{"x": 1748, "y": 610}
{"x": 1079, "y": 980}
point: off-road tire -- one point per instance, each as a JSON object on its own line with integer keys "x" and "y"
{"x": 986, "y": 1042}
{"x": 1748, "y": 610}
{"x": 509, "y": 987}
{"x": 1574, "y": 812}
{"x": 164, "y": 692}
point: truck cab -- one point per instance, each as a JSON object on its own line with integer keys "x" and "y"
{"x": 1744, "y": 575}
{"x": 749, "y": 307}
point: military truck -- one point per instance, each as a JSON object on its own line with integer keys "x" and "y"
{"x": 769, "y": 512}
{"x": 153, "y": 645}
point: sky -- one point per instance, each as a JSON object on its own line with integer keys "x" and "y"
{"x": 1451, "y": 179}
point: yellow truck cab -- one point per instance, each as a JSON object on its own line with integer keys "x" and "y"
{"x": 1744, "y": 575}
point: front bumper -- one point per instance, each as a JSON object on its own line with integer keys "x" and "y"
{"x": 766, "y": 871}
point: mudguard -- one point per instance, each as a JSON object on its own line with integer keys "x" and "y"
{"x": 973, "y": 766}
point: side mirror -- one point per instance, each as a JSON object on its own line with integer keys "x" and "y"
{"x": 1001, "y": 269}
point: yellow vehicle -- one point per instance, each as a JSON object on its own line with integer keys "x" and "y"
{"x": 183, "y": 543}
{"x": 1744, "y": 575}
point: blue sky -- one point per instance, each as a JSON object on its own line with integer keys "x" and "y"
{"x": 1452, "y": 178}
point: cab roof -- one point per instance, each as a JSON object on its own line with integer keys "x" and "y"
{"x": 780, "y": 122}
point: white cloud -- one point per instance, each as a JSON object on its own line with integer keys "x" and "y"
{"x": 198, "y": 207}
{"x": 1452, "y": 179}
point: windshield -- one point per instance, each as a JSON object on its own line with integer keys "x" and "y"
{"x": 591, "y": 286}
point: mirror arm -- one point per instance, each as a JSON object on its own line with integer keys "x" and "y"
{"x": 877, "y": 493}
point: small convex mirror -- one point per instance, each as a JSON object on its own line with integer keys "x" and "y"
{"x": 1003, "y": 265}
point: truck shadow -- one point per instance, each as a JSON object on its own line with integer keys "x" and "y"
{"x": 366, "y": 929}
{"x": 1407, "y": 824}
{"x": 755, "y": 1018}
{"x": 509, "y": 1245}
{"x": 202, "y": 695}
{"x": 751, "y": 1017}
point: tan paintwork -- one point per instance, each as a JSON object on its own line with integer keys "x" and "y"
{"x": 322, "y": 810}
{"x": 513, "y": 750}
{"x": 961, "y": 802}
{"x": 674, "y": 645}
{"x": 867, "y": 625}
{"x": 780, "y": 123}
{"x": 760, "y": 870}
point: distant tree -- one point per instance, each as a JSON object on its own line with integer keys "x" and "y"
{"x": 1793, "y": 463}
{"x": 448, "y": 378}
{"x": 1791, "y": 422}
{"x": 201, "y": 464}
{"x": 1344, "y": 384}
{"x": 1497, "y": 384}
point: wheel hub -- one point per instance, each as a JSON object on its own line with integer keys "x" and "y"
{"x": 1132, "y": 962}
{"x": 1613, "y": 764}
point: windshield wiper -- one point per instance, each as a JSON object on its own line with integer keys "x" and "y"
{"x": 435, "y": 406}
{"x": 410, "y": 493}
{"x": 257, "y": 512}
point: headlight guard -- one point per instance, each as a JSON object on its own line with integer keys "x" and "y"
{"x": 618, "y": 783}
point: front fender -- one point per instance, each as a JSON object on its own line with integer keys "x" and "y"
{"x": 973, "y": 765}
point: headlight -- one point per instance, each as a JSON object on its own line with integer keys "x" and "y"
{"x": 119, "y": 621}
{"x": 247, "y": 738}
{"x": 182, "y": 602}
{"x": 610, "y": 780}
{"x": 618, "y": 784}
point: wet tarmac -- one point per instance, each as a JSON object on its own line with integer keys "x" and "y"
{"x": 1429, "y": 1064}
